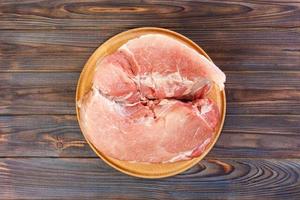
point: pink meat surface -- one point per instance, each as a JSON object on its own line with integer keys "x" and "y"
{"x": 148, "y": 103}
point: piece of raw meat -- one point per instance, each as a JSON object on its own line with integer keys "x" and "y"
{"x": 148, "y": 103}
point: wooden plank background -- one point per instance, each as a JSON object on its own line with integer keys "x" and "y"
{"x": 44, "y": 45}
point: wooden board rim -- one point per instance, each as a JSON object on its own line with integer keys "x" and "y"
{"x": 123, "y": 169}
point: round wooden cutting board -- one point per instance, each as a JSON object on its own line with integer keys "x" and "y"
{"x": 84, "y": 85}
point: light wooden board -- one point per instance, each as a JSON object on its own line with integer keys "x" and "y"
{"x": 145, "y": 170}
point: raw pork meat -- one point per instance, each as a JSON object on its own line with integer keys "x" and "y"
{"x": 148, "y": 103}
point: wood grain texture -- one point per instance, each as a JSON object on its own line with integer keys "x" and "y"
{"x": 60, "y": 136}
{"x": 43, "y": 93}
{"x": 99, "y": 15}
{"x": 54, "y": 93}
{"x": 92, "y": 179}
{"x": 232, "y": 50}
{"x": 42, "y": 136}
{"x": 263, "y": 101}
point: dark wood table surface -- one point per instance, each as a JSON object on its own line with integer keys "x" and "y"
{"x": 44, "y": 46}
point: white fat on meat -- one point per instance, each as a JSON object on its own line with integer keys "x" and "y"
{"x": 188, "y": 154}
{"x": 112, "y": 105}
{"x": 171, "y": 83}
